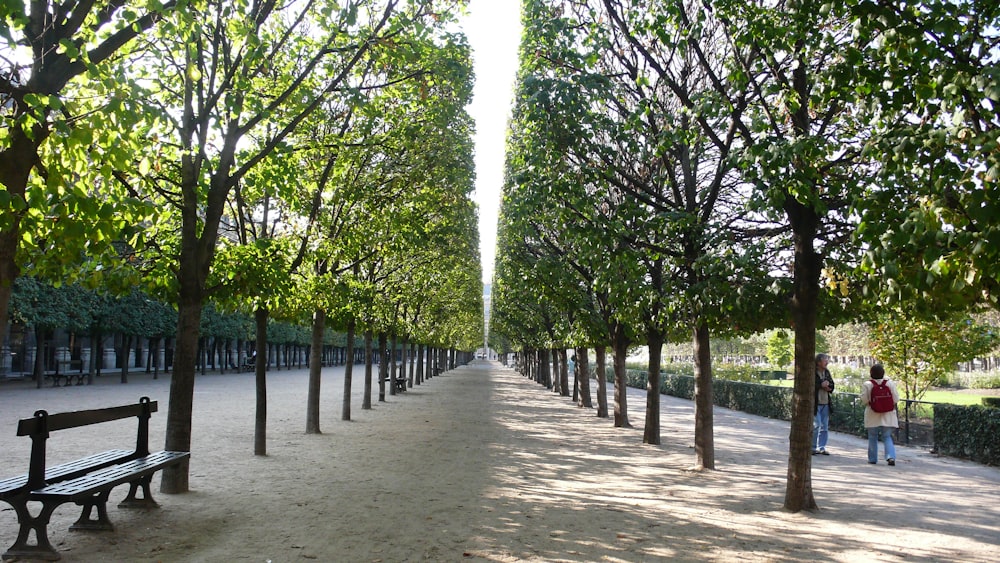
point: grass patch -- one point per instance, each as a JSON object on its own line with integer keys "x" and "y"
{"x": 951, "y": 397}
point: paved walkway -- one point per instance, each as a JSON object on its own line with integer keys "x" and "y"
{"x": 480, "y": 464}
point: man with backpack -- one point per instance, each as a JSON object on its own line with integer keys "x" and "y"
{"x": 879, "y": 395}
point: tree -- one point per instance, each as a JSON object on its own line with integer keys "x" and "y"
{"x": 847, "y": 340}
{"x": 679, "y": 134}
{"x": 620, "y": 160}
{"x": 803, "y": 132}
{"x": 931, "y": 73}
{"x": 215, "y": 91}
{"x": 921, "y": 352}
{"x": 779, "y": 348}
{"x": 44, "y": 308}
{"x": 56, "y": 139}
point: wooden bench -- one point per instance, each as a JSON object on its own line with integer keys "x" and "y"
{"x": 86, "y": 482}
{"x": 248, "y": 364}
{"x": 64, "y": 371}
{"x": 400, "y": 383}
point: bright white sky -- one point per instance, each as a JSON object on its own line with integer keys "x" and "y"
{"x": 494, "y": 31}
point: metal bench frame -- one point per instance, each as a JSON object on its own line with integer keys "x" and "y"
{"x": 87, "y": 482}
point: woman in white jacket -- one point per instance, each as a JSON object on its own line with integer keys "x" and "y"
{"x": 883, "y": 423}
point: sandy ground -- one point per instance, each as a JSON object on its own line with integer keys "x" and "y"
{"x": 480, "y": 464}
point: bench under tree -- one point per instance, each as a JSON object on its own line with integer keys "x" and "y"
{"x": 86, "y": 482}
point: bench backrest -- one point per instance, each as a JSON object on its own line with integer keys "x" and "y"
{"x": 39, "y": 426}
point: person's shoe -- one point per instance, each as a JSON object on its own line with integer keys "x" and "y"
{"x": 891, "y": 461}
{"x": 824, "y": 452}
{"x": 815, "y": 452}
{"x": 873, "y": 462}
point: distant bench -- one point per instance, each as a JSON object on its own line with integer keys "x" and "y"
{"x": 399, "y": 382}
{"x": 64, "y": 371}
{"x": 87, "y": 482}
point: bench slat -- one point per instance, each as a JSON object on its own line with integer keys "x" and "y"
{"x": 109, "y": 477}
{"x": 66, "y": 470}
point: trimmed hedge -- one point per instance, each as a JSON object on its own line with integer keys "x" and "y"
{"x": 968, "y": 432}
{"x": 754, "y": 398}
{"x": 959, "y": 431}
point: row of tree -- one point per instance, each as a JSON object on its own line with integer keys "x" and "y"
{"x": 723, "y": 167}
{"x": 227, "y": 338}
{"x": 308, "y": 160}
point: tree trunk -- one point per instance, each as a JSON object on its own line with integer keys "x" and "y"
{"x": 413, "y": 358}
{"x": 619, "y": 343}
{"x": 366, "y": 402}
{"x": 562, "y": 376}
{"x": 200, "y": 361}
{"x": 558, "y": 364}
{"x": 545, "y": 365}
{"x": 19, "y": 156}
{"x": 602, "y": 382}
{"x": 392, "y": 365}
{"x": 39, "y": 367}
{"x": 260, "y": 371}
{"x": 420, "y": 363}
{"x": 125, "y": 351}
{"x": 704, "y": 439}
{"x": 315, "y": 372}
{"x": 651, "y": 433}
{"x": 805, "y": 299}
{"x": 8, "y": 273}
{"x": 383, "y": 364}
{"x": 154, "y": 360}
{"x": 805, "y": 222}
{"x": 96, "y": 355}
{"x": 345, "y": 410}
{"x": 174, "y": 479}
{"x": 431, "y": 361}
{"x": 583, "y": 368}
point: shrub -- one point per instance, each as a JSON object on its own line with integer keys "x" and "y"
{"x": 736, "y": 372}
{"x": 848, "y": 378}
{"x": 968, "y": 432}
{"x": 991, "y": 381}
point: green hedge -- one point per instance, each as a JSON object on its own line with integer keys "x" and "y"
{"x": 968, "y": 432}
{"x": 754, "y": 398}
{"x": 959, "y": 431}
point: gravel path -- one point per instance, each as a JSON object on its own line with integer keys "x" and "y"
{"x": 480, "y": 464}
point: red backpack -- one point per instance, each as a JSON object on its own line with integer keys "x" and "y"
{"x": 880, "y": 399}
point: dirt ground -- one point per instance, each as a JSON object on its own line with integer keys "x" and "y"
{"x": 480, "y": 464}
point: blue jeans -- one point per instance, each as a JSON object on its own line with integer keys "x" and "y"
{"x": 890, "y": 448}
{"x": 821, "y": 427}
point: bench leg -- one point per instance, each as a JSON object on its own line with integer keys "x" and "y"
{"x": 131, "y": 501}
{"x": 42, "y": 549}
{"x": 101, "y": 523}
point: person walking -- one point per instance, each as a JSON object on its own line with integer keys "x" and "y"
{"x": 822, "y": 404}
{"x": 879, "y": 396}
